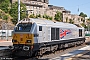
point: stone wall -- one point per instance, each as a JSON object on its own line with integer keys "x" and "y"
{"x": 6, "y": 26}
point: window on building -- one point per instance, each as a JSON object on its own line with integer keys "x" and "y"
{"x": 36, "y": 7}
{"x": 44, "y": 1}
{"x": 32, "y": 2}
{"x": 39, "y": 12}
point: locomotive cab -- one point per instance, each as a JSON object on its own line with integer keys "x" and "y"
{"x": 22, "y": 34}
{"x": 23, "y": 38}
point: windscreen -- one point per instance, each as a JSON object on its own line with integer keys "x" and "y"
{"x": 23, "y": 27}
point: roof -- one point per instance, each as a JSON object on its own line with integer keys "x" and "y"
{"x": 49, "y": 23}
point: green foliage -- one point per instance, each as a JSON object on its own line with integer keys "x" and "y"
{"x": 47, "y": 17}
{"x": 58, "y": 16}
{"x": 0, "y": 16}
{"x": 32, "y": 16}
{"x": 44, "y": 15}
{"x": 5, "y": 17}
{"x": 88, "y": 19}
{"x": 84, "y": 25}
{"x": 1, "y": 1}
{"x": 38, "y": 16}
{"x": 4, "y": 5}
{"x": 23, "y": 7}
{"x": 71, "y": 21}
{"x": 82, "y": 15}
{"x": 50, "y": 18}
{"x": 14, "y": 11}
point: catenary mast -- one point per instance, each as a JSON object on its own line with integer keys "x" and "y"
{"x": 18, "y": 10}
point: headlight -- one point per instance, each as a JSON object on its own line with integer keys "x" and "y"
{"x": 29, "y": 41}
{"x": 14, "y": 40}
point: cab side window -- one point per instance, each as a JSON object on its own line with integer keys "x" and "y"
{"x": 40, "y": 28}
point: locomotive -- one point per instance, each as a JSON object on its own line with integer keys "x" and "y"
{"x": 36, "y": 36}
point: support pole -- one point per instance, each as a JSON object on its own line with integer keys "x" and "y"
{"x": 18, "y": 10}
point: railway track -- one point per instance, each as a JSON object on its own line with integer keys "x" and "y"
{"x": 49, "y": 55}
{"x": 83, "y": 56}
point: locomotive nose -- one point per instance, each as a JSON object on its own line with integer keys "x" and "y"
{"x": 22, "y": 39}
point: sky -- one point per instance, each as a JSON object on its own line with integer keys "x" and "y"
{"x": 73, "y": 5}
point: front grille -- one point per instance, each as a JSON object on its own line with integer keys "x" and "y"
{"x": 20, "y": 46}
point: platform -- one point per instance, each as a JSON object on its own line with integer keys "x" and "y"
{"x": 5, "y": 43}
{"x": 69, "y": 55}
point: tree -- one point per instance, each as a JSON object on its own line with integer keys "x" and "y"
{"x": 45, "y": 16}
{"x": 5, "y": 17}
{"x": 71, "y": 21}
{"x": 38, "y": 16}
{"x": 84, "y": 25}
{"x": 58, "y": 16}
{"x": 88, "y": 19}
{"x": 32, "y": 16}
{"x": 14, "y": 11}
{"x": 2, "y": 1}
{"x": 83, "y": 15}
{"x": 4, "y": 5}
{"x": 50, "y": 18}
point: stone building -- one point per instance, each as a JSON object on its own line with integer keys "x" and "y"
{"x": 42, "y": 7}
{"x": 51, "y": 11}
{"x": 36, "y": 6}
{"x": 66, "y": 16}
{"x": 76, "y": 19}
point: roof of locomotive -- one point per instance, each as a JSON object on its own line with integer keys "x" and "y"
{"x": 48, "y": 22}
{"x": 51, "y": 23}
